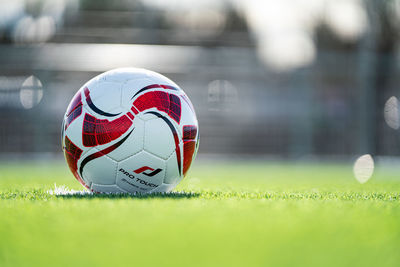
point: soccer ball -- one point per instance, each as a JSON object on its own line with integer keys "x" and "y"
{"x": 130, "y": 130}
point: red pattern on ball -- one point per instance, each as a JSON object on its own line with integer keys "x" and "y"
{"x": 99, "y": 132}
{"x": 162, "y": 101}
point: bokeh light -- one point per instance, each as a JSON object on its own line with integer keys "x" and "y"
{"x": 31, "y": 92}
{"x": 363, "y": 168}
{"x": 347, "y": 18}
{"x": 391, "y": 113}
{"x": 222, "y": 95}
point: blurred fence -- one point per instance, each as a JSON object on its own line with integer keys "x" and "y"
{"x": 243, "y": 106}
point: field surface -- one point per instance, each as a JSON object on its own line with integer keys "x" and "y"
{"x": 227, "y": 214}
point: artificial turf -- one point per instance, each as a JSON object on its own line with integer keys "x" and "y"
{"x": 222, "y": 214}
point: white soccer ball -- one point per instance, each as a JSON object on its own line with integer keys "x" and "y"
{"x": 130, "y": 130}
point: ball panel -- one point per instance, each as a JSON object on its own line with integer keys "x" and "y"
{"x": 188, "y": 115}
{"x": 74, "y": 109}
{"x": 72, "y": 154}
{"x": 159, "y": 101}
{"x": 103, "y": 96}
{"x": 101, "y": 170}
{"x": 132, "y": 145}
{"x": 171, "y": 171}
{"x": 140, "y": 173}
{"x": 190, "y": 133}
{"x": 74, "y": 131}
{"x": 163, "y": 188}
{"x": 158, "y": 138}
{"x": 97, "y": 132}
{"x": 188, "y": 153}
{"x": 100, "y": 188}
{"x": 146, "y": 116}
{"x": 75, "y": 102}
{"x": 130, "y": 88}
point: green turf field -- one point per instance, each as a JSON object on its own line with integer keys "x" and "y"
{"x": 226, "y": 215}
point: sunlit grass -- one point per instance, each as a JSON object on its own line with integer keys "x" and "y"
{"x": 231, "y": 214}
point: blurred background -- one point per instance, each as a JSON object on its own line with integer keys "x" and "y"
{"x": 288, "y": 79}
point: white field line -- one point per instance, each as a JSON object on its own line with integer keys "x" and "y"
{"x": 65, "y": 191}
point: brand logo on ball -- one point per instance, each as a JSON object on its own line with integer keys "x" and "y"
{"x": 132, "y": 177}
{"x": 143, "y": 170}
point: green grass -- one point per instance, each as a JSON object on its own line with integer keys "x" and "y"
{"x": 222, "y": 215}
